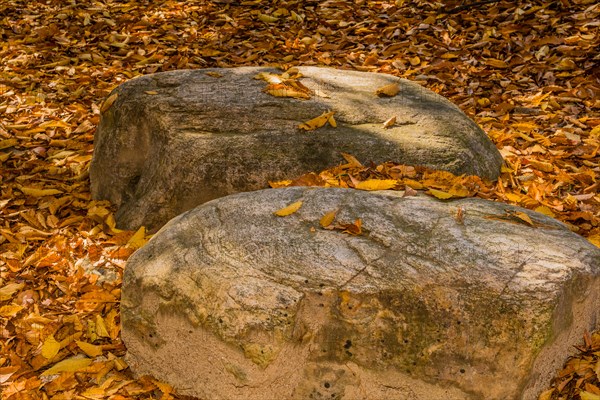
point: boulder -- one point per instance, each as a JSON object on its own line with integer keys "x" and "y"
{"x": 170, "y": 141}
{"x": 229, "y": 301}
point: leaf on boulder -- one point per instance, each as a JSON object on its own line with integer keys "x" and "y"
{"x": 376, "y": 184}
{"x": 317, "y": 122}
{"x": 108, "y": 102}
{"x": 354, "y": 228}
{"x": 388, "y": 90}
{"x": 292, "y": 208}
{"x": 283, "y": 90}
{"x": 268, "y": 77}
{"x": 439, "y": 194}
{"x": 327, "y": 219}
{"x": 389, "y": 123}
{"x": 352, "y": 161}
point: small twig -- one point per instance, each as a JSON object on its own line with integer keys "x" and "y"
{"x": 468, "y": 6}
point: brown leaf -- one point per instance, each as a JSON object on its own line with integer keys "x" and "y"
{"x": 388, "y": 90}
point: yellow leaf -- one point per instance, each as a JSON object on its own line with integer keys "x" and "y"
{"x": 108, "y": 102}
{"x": 331, "y": 121}
{"x": 389, "y": 123}
{"x": 352, "y": 160}
{"x": 376, "y": 184}
{"x": 296, "y": 17}
{"x": 138, "y": 239}
{"x": 459, "y": 191}
{"x": 89, "y": 349}
{"x": 101, "y": 327}
{"x": 39, "y": 192}
{"x": 280, "y": 184}
{"x": 283, "y": 90}
{"x": 439, "y": 194}
{"x": 585, "y": 395}
{"x": 595, "y": 131}
{"x": 546, "y": 394}
{"x": 7, "y": 291}
{"x": 214, "y": 74}
{"x": 513, "y": 197}
{"x": 414, "y": 61}
{"x": 388, "y": 90}
{"x": 595, "y": 239}
{"x": 151, "y": 92}
{"x": 523, "y": 217}
{"x": 317, "y": 122}
{"x": 68, "y": 365}
{"x": 10, "y": 310}
{"x": 292, "y": 208}
{"x": 545, "y": 210}
{"x": 267, "y": 18}
{"x": 541, "y": 166}
{"x": 5, "y": 144}
{"x": 327, "y": 219}
{"x": 50, "y": 347}
{"x": 269, "y": 78}
{"x": 413, "y": 184}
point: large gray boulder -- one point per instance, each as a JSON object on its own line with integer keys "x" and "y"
{"x": 229, "y": 301}
{"x": 170, "y": 141}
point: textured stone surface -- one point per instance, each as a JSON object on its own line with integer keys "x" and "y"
{"x": 174, "y": 140}
{"x": 228, "y": 301}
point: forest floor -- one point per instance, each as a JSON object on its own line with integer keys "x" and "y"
{"x": 526, "y": 72}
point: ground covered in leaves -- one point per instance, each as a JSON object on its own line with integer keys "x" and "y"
{"x": 527, "y": 72}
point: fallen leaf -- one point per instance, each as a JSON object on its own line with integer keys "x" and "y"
{"x": 354, "y": 228}
{"x": 108, "y": 102}
{"x": 151, "y": 92}
{"x": 327, "y": 219}
{"x": 440, "y": 194}
{"x": 89, "y": 349}
{"x": 10, "y": 310}
{"x": 267, "y": 18}
{"x": 389, "y": 123}
{"x": 73, "y": 364}
{"x": 376, "y": 184}
{"x": 214, "y": 74}
{"x": 352, "y": 161}
{"x": 7, "y": 291}
{"x": 283, "y": 90}
{"x": 588, "y": 396}
{"x": 39, "y": 192}
{"x": 50, "y": 347}
{"x": 388, "y": 90}
{"x": 523, "y": 217}
{"x": 317, "y": 122}
{"x": 138, "y": 240}
{"x": 292, "y": 208}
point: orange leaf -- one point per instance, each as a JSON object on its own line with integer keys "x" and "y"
{"x": 327, "y": 219}
{"x": 388, "y": 90}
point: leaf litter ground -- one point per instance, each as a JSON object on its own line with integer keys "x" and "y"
{"x": 527, "y": 72}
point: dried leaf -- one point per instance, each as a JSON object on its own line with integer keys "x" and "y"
{"x": 10, "y": 310}
{"x": 523, "y": 217}
{"x": 440, "y": 194}
{"x": 389, "y": 123}
{"x": 317, "y": 122}
{"x": 108, "y": 102}
{"x": 50, "y": 347}
{"x": 388, "y": 90}
{"x": 376, "y": 184}
{"x": 7, "y": 291}
{"x": 292, "y": 208}
{"x": 73, "y": 364}
{"x": 39, "y": 192}
{"x": 354, "y": 163}
{"x": 89, "y": 349}
{"x": 283, "y": 90}
{"x": 139, "y": 239}
{"x": 327, "y": 219}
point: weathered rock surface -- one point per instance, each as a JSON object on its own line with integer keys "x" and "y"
{"x": 174, "y": 140}
{"x": 228, "y": 301}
